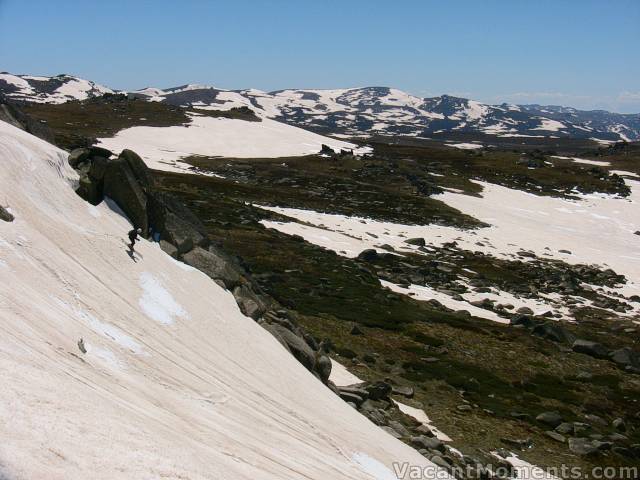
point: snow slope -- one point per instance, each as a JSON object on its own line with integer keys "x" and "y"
{"x": 163, "y": 147}
{"x": 176, "y": 383}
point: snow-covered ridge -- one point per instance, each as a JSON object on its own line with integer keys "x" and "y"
{"x": 175, "y": 381}
{"x": 357, "y": 111}
{"x": 58, "y": 89}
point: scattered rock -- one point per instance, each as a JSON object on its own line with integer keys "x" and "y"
{"x": 430, "y": 443}
{"x": 553, "y": 419}
{"x": 521, "y": 444}
{"x": 323, "y": 367}
{"x": 524, "y": 311}
{"x": 77, "y": 156}
{"x": 169, "y": 248}
{"x": 565, "y": 428}
{"x": 553, "y": 332}
{"x": 249, "y": 302}
{"x": 625, "y": 357}
{"x": 407, "y": 392}
{"x": 582, "y": 446}
{"x": 418, "y": 242}
{"x": 555, "y": 436}
{"x": 215, "y": 266}
{"x": 298, "y": 347}
{"x": 378, "y": 390}
{"x": 368, "y": 255}
{"x": 593, "y": 349}
{"x": 619, "y": 424}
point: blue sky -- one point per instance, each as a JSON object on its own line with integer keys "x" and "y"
{"x": 573, "y": 52}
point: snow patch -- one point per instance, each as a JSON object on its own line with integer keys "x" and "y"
{"x": 157, "y": 303}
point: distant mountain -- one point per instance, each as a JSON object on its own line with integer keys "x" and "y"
{"x": 58, "y": 89}
{"x": 357, "y": 111}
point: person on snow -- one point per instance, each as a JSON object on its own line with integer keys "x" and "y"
{"x": 133, "y": 236}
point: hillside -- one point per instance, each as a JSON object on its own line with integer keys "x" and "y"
{"x": 144, "y": 357}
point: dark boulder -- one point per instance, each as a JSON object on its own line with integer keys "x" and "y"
{"x": 404, "y": 391}
{"x": 216, "y": 265}
{"x": 175, "y": 222}
{"x": 296, "y": 345}
{"x": 582, "y": 446}
{"x": 430, "y": 443}
{"x": 553, "y": 419}
{"x": 120, "y": 185}
{"x": 138, "y": 167}
{"x": 418, "y": 242}
{"x": 524, "y": 311}
{"x": 553, "y": 332}
{"x": 378, "y": 390}
{"x": 95, "y": 151}
{"x": 169, "y": 248}
{"x": 522, "y": 320}
{"x": 368, "y": 255}
{"x": 326, "y": 150}
{"x": 625, "y": 357}
{"x": 323, "y": 367}
{"x": 249, "y": 302}
{"x": 593, "y": 349}
{"x": 89, "y": 190}
{"x": 78, "y": 156}
{"x": 97, "y": 169}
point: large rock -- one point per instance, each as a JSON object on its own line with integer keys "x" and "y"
{"x": 553, "y": 332}
{"x": 216, "y": 265}
{"x": 120, "y": 185}
{"x": 582, "y": 446}
{"x": 418, "y": 242}
{"x": 378, "y": 390}
{"x": 593, "y": 349}
{"x": 368, "y": 255}
{"x": 89, "y": 190}
{"x": 625, "y": 357}
{"x": 175, "y": 223}
{"x": 138, "y": 167}
{"x": 323, "y": 367}
{"x": 78, "y": 156}
{"x": 552, "y": 419}
{"x": 249, "y": 302}
{"x": 295, "y": 344}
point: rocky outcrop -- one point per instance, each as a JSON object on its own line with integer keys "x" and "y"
{"x": 127, "y": 180}
{"x": 121, "y": 185}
